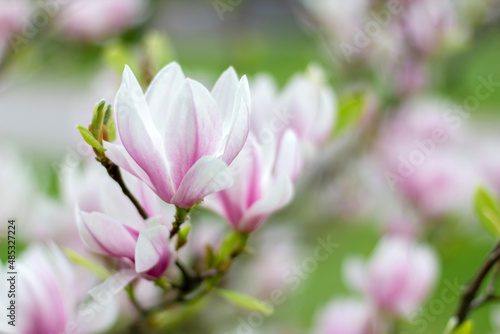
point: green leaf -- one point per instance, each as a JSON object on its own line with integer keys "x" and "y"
{"x": 184, "y": 231}
{"x": 98, "y": 118}
{"x": 233, "y": 241}
{"x": 182, "y": 235}
{"x": 350, "y": 110}
{"x": 87, "y": 263}
{"x": 465, "y": 328}
{"x": 246, "y": 301}
{"x": 89, "y": 138}
{"x": 487, "y": 211}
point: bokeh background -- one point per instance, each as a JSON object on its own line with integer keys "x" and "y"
{"x": 51, "y": 77}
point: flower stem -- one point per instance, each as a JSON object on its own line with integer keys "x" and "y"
{"x": 181, "y": 215}
{"x": 114, "y": 172}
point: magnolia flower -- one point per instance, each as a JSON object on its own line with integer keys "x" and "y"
{"x": 96, "y": 19}
{"x": 347, "y": 316}
{"x": 398, "y": 276}
{"x": 420, "y": 148}
{"x": 307, "y": 106}
{"x": 427, "y": 24}
{"x": 116, "y": 229}
{"x": 310, "y": 105}
{"x": 53, "y": 296}
{"x": 263, "y": 183}
{"x": 179, "y": 138}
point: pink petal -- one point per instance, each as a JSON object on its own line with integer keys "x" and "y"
{"x": 278, "y": 196}
{"x": 193, "y": 129}
{"x": 139, "y": 135}
{"x": 153, "y": 254}
{"x": 105, "y": 235}
{"x": 208, "y": 175}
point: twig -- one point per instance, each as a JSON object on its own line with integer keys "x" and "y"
{"x": 468, "y": 301}
{"x": 181, "y": 215}
{"x": 114, "y": 172}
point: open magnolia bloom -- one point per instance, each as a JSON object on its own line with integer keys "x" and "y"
{"x": 306, "y": 105}
{"x": 54, "y": 296}
{"x": 116, "y": 229}
{"x": 179, "y": 138}
{"x": 262, "y": 183}
{"x": 397, "y": 278}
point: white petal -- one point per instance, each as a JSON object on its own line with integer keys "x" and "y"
{"x": 161, "y": 92}
{"x": 207, "y": 176}
{"x": 236, "y": 128}
{"x": 153, "y": 250}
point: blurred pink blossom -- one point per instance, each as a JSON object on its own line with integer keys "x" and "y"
{"x": 90, "y": 20}
{"x": 53, "y": 296}
{"x": 306, "y": 105}
{"x": 347, "y": 316}
{"x": 397, "y": 278}
{"x": 310, "y": 106}
{"x": 179, "y": 138}
{"x": 13, "y": 16}
{"x": 429, "y": 25}
{"x": 420, "y": 149}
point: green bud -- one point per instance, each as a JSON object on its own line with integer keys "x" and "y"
{"x": 182, "y": 236}
{"x": 97, "y": 119}
{"x": 109, "y": 122}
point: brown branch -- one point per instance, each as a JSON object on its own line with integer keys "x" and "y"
{"x": 468, "y": 300}
{"x": 115, "y": 174}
